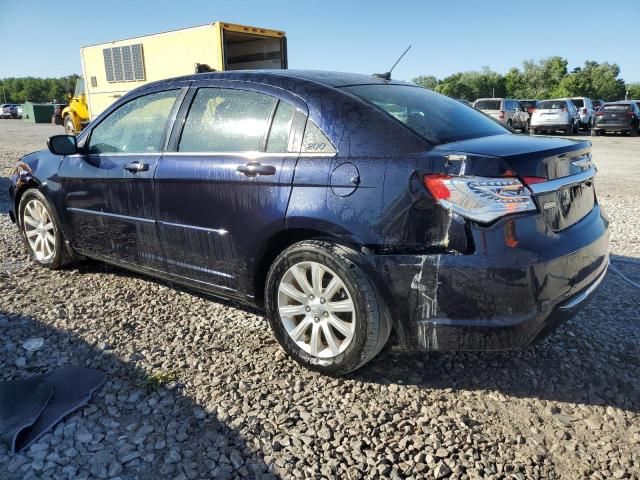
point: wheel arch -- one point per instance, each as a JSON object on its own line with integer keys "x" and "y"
{"x": 29, "y": 184}
{"x": 277, "y": 243}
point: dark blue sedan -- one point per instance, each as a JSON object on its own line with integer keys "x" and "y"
{"x": 351, "y": 208}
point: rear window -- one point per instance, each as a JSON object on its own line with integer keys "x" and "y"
{"x": 578, "y": 102}
{"x": 552, "y": 105}
{"x": 616, "y": 108}
{"x": 487, "y": 104}
{"x": 528, "y": 103}
{"x": 436, "y": 118}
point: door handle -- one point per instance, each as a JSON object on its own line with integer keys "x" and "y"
{"x": 135, "y": 167}
{"x": 253, "y": 169}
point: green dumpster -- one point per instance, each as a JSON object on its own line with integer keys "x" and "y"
{"x": 37, "y": 112}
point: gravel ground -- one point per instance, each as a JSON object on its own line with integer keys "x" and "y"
{"x": 198, "y": 388}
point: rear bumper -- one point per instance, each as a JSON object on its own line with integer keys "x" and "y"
{"x": 613, "y": 127}
{"x": 501, "y": 297}
{"x": 549, "y": 126}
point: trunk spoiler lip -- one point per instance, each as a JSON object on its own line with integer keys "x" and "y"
{"x": 562, "y": 182}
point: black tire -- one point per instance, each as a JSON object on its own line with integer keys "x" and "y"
{"x": 569, "y": 129}
{"x": 525, "y": 129}
{"x": 373, "y": 325}
{"x": 61, "y": 255}
{"x": 69, "y": 127}
{"x": 509, "y": 124}
{"x": 634, "y": 132}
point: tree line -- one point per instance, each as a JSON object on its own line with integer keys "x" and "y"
{"x": 546, "y": 78}
{"x": 32, "y": 89}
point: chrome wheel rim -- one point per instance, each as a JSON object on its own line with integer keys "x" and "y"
{"x": 38, "y": 228}
{"x": 316, "y": 309}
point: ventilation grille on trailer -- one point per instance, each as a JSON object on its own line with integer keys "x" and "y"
{"x": 124, "y": 64}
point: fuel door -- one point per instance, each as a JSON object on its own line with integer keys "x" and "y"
{"x": 345, "y": 179}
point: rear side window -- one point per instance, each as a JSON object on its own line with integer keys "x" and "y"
{"x": 227, "y": 120}
{"x": 278, "y": 141}
{"x": 137, "y": 126}
{"x": 552, "y": 105}
{"x": 436, "y": 118}
{"x": 487, "y": 104}
{"x": 314, "y": 141}
{"x": 617, "y": 108}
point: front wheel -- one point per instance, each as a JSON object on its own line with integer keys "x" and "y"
{"x": 323, "y": 309}
{"x": 69, "y": 127}
{"x": 41, "y": 230}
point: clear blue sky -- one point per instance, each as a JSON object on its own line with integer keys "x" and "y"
{"x": 37, "y": 37}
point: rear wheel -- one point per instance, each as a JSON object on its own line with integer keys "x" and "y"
{"x": 526, "y": 127}
{"x": 41, "y": 230}
{"x": 568, "y": 129}
{"x": 634, "y": 131}
{"x": 323, "y": 309}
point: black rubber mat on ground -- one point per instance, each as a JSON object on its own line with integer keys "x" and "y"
{"x": 21, "y": 403}
{"x": 72, "y": 388}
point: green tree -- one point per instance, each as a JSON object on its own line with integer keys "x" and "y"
{"x": 634, "y": 90}
{"x": 19, "y": 90}
{"x": 426, "y": 81}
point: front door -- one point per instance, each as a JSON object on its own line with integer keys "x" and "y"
{"x": 109, "y": 186}
{"x": 224, "y": 188}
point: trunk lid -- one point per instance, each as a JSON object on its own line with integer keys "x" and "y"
{"x": 566, "y": 194}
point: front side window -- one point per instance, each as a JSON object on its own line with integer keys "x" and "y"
{"x": 227, "y": 120}
{"x": 436, "y": 118}
{"x": 137, "y": 126}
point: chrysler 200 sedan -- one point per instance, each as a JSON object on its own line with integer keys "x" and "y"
{"x": 354, "y": 210}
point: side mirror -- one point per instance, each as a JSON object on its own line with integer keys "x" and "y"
{"x": 63, "y": 144}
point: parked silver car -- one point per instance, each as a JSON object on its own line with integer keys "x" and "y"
{"x": 552, "y": 115}
{"x": 505, "y": 110}
{"x": 586, "y": 111}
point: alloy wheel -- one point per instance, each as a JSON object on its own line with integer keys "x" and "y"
{"x": 39, "y": 230}
{"x": 316, "y": 309}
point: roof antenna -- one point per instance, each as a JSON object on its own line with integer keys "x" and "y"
{"x": 387, "y": 75}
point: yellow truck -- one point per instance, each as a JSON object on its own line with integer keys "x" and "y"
{"x": 112, "y": 69}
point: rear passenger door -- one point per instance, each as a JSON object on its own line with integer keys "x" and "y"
{"x": 223, "y": 186}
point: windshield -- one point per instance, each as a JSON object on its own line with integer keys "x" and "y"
{"x": 616, "y": 108}
{"x": 552, "y": 105}
{"x": 487, "y": 104}
{"x": 436, "y": 118}
{"x": 578, "y": 102}
{"x": 79, "y": 87}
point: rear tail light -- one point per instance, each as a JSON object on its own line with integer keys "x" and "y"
{"x": 599, "y": 114}
{"x": 584, "y": 111}
{"x": 630, "y": 114}
{"x": 532, "y": 180}
{"x": 480, "y": 198}
{"x": 501, "y": 115}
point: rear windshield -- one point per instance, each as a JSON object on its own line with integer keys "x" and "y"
{"x": 617, "y": 108}
{"x": 487, "y": 104}
{"x": 578, "y": 102}
{"x": 528, "y": 103}
{"x": 436, "y": 118}
{"x": 552, "y": 105}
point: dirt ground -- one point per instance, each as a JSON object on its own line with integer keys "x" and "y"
{"x": 200, "y": 389}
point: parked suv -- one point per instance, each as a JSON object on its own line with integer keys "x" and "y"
{"x": 505, "y": 110}
{"x": 623, "y": 117}
{"x": 585, "y": 111}
{"x": 552, "y": 115}
{"x": 350, "y": 208}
